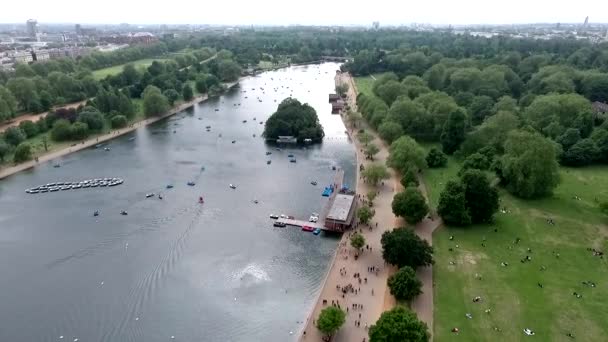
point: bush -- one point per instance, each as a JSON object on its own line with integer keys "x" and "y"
{"x": 409, "y": 178}
{"x": 79, "y": 131}
{"x": 119, "y": 121}
{"x": 436, "y": 158}
{"x": 23, "y": 152}
{"x": 14, "y": 135}
{"x": 61, "y": 130}
{"x": 29, "y": 128}
{"x": 94, "y": 119}
{"x": 404, "y": 285}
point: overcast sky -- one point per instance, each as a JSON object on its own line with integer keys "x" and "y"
{"x": 314, "y": 12}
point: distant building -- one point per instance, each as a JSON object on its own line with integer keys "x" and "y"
{"x": 78, "y": 29}
{"x": 71, "y": 52}
{"x": 41, "y": 55}
{"x": 22, "y": 57}
{"x": 32, "y": 28}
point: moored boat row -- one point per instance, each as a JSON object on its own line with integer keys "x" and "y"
{"x": 89, "y": 183}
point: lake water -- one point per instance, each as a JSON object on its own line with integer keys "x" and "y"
{"x": 173, "y": 267}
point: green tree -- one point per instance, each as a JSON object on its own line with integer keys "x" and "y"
{"x": 342, "y": 89}
{"x": 293, "y": 118}
{"x": 365, "y": 214}
{"x": 45, "y": 143}
{"x": 14, "y": 135}
{"x": 390, "y": 131}
{"x": 364, "y": 137}
{"x": 119, "y": 121}
{"x": 371, "y": 195}
{"x": 399, "y": 325}
{"x": 529, "y": 165}
{"x": 92, "y": 117}
{"x": 404, "y": 284}
{"x": 330, "y": 320}
{"x": 475, "y": 161}
{"x": 604, "y": 207}
{"x": 390, "y": 91}
{"x": 200, "y": 85}
{"x": 29, "y": 128}
{"x": 452, "y": 205}
{"x": 4, "y": 150}
{"x": 570, "y": 137}
{"x": 23, "y": 152}
{"x": 409, "y": 178}
{"x": 79, "y": 131}
{"x": 582, "y": 153}
{"x": 172, "y": 95}
{"x": 454, "y": 131}
{"x": 406, "y": 153}
{"x": 228, "y": 70}
{"x": 411, "y": 205}
{"x": 371, "y": 150}
{"x": 155, "y": 103}
{"x": 480, "y": 196}
{"x": 436, "y": 158}
{"x": 374, "y": 173}
{"x": 187, "y": 92}
{"x": 401, "y": 247}
{"x": 357, "y": 241}
{"x": 61, "y": 130}
{"x": 8, "y": 104}
{"x": 480, "y": 108}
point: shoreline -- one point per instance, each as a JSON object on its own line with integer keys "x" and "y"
{"x": 372, "y": 295}
{"x": 11, "y": 170}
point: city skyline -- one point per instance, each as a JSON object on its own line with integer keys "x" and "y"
{"x": 274, "y": 12}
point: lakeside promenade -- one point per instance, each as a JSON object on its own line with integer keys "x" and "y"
{"x": 5, "y": 172}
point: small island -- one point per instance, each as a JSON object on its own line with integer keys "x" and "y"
{"x": 294, "y": 119}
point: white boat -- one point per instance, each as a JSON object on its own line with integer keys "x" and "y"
{"x": 150, "y": 195}
{"x": 232, "y": 186}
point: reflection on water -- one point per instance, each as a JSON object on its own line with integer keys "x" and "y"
{"x": 174, "y": 267}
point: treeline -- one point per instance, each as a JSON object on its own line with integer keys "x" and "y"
{"x": 38, "y": 87}
{"x": 111, "y": 104}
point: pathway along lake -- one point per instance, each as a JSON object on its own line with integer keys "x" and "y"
{"x": 174, "y": 267}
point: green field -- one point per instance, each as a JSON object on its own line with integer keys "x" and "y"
{"x": 142, "y": 63}
{"x": 512, "y": 293}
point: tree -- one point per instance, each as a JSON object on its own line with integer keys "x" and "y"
{"x": 29, "y": 128}
{"x": 371, "y": 195}
{"x": 480, "y": 108}
{"x": 374, "y": 173}
{"x": 357, "y": 241}
{"x": 4, "y": 149}
{"x": 14, "y": 135}
{"x": 409, "y": 178}
{"x": 481, "y": 197}
{"x": 119, "y": 121}
{"x": 475, "y": 161}
{"x": 570, "y": 137}
{"x": 401, "y": 247}
{"x": 390, "y": 91}
{"x": 61, "y": 130}
{"x": 228, "y": 70}
{"x": 23, "y": 152}
{"x": 342, "y": 89}
{"x": 8, "y": 104}
{"x": 453, "y": 131}
{"x": 411, "y": 205}
{"x": 130, "y": 75}
{"x": 390, "y": 131}
{"x": 436, "y": 158}
{"x": 604, "y": 207}
{"x": 330, "y": 320}
{"x": 172, "y": 95}
{"x": 154, "y": 102}
{"x": 582, "y": 153}
{"x": 405, "y": 153}
{"x": 45, "y": 143}
{"x": 371, "y": 150}
{"x": 452, "y": 204}
{"x": 92, "y": 117}
{"x": 399, "y": 325}
{"x": 364, "y": 137}
{"x": 563, "y": 109}
{"x": 293, "y": 118}
{"x": 404, "y": 285}
{"x": 187, "y": 92}
{"x": 79, "y": 131}
{"x": 200, "y": 85}
{"x": 365, "y": 214}
{"x": 529, "y": 165}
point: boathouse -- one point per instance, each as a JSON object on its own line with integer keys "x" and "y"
{"x": 341, "y": 213}
{"x": 337, "y": 106}
{"x": 334, "y": 97}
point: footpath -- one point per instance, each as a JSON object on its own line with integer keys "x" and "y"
{"x": 372, "y": 297}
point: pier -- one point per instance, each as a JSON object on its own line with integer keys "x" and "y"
{"x": 321, "y": 223}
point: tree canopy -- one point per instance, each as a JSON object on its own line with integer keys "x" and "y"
{"x": 401, "y": 247}
{"x": 411, "y": 205}
{"x": 404, "y": 284}
{"x": 293, "y": 118}
{"x": 406, "y": 153}
{"x": 399, "y": 324}
{"x": 330, "y": 320}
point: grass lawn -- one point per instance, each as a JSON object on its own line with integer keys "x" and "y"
{"x": 142, "y": 63}
{"x": 512, "y": 293}
{"x": 364, "y": 84}
{"x": 560, "y": 262}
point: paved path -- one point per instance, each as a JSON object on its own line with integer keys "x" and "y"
{"x": 344, "y": 266}
{"x": 35, "y": 117}
{"x": 7, "y": 171}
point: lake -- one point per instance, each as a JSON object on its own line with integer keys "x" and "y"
{"x": 174, "y": 267}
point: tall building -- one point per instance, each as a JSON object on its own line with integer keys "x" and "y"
{"x": 32, "y": 28}
{"x": 586, "y": 21}
{"x": 78, "y": 29}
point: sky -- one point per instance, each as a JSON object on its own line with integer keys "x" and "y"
{"x": 309, "y": 12}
